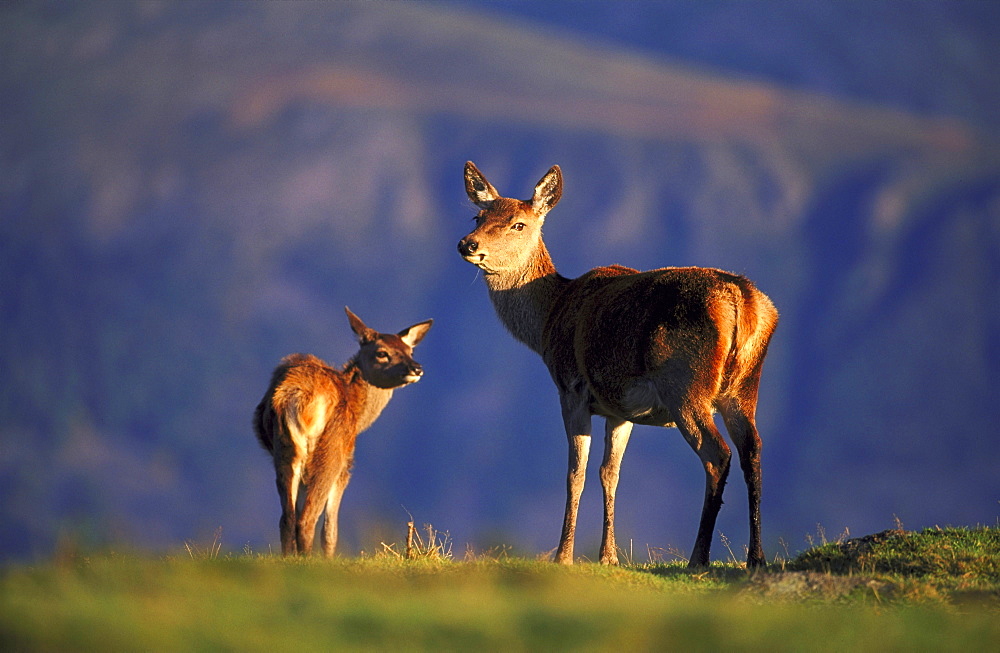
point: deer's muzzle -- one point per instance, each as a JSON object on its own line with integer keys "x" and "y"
{"x": 415, "y": 372}
{"x": 467, "y": 247}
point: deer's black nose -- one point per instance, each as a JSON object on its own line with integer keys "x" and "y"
{"x": 467, "y": 247}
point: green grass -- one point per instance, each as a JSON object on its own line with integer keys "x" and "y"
{"x": 948, "y": 565}
{"x": 930, "y": 591}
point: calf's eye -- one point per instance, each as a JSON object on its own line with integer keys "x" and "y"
{"x": 517, "y": 226}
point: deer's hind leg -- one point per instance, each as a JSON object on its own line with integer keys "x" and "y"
{"x": 288, "y": 478}
{"x": 288, "y": 466}
{"x": 305, "y": 527}
{"x": 317, "y": 495}
{"x": 738, "y": 413}
{"x": 698, "y": 428}
{"x": 333, "y": 511}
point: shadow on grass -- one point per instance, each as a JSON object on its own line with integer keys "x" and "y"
{"x": 718, "y": 575}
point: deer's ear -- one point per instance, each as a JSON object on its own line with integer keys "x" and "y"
{"x": 548, "y": 190}
{"x": 363, "y": 332}
{"x": 480, "y": 191}
{"x": 414, "y": 334}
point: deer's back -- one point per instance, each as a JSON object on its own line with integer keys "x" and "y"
{"x": 616, "y": 329}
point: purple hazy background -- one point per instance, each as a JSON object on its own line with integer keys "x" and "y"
{"x": 193, "y": 190}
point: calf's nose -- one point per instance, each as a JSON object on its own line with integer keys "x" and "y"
{"x": 467, "y": 247}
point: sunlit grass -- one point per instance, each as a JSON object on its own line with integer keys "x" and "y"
{"x": 199, "y": 599}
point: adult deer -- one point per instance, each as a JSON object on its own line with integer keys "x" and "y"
{"x": 667, "y": 347}
{"x": 310, "y": 418}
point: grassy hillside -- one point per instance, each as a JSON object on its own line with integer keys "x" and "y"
{"x": 934, "y": 590}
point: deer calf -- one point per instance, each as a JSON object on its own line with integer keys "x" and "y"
{"x": 667, "y": 347}
{"x": 310, "y": 418}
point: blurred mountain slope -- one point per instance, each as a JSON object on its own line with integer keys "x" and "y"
{"x": 193, "y": 191}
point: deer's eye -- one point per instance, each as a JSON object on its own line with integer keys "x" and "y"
{"x": 517, "y": 226}
{"x": 382, "y": 356}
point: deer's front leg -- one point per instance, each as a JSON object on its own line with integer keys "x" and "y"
{"x": 576, "y": 419}
{"x": 616, "y": 435}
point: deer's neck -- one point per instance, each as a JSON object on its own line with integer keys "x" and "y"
{"x": 367, "y": 400}
{"x": 523, "y": 298}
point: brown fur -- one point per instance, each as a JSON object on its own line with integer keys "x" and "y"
{"x": 310, "y": 418}
{"x": 666, "y": 347}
